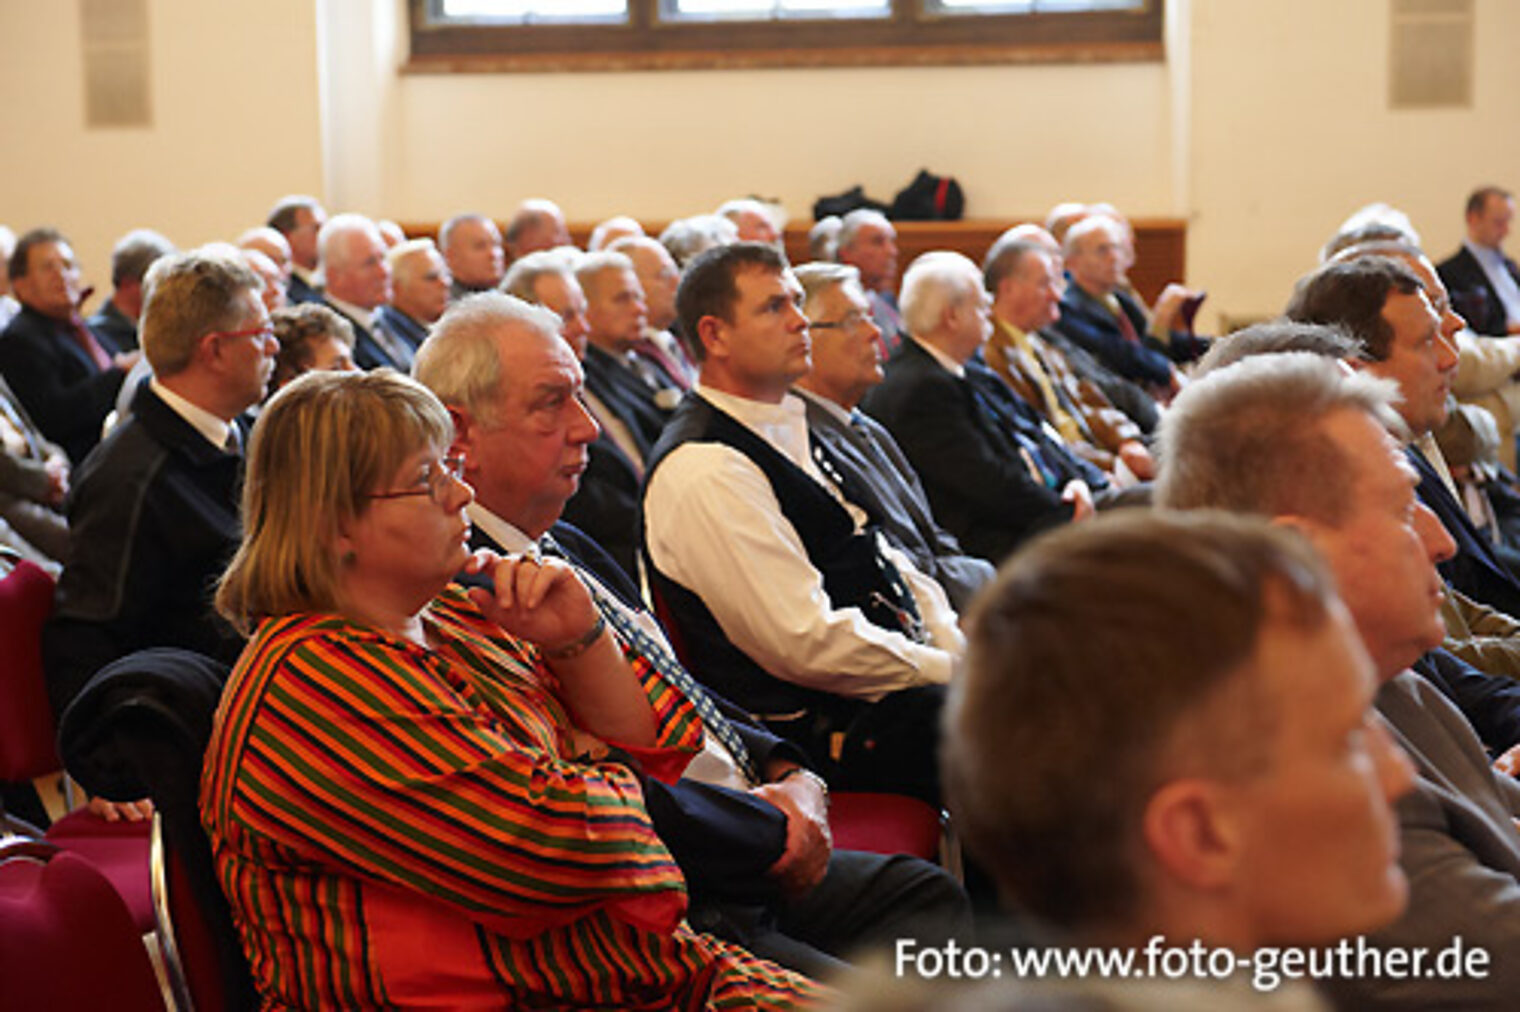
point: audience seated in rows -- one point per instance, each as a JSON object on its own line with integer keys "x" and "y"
{"x": 994, "y": 475}
{"x": 782, "y": 591}
{"x": 747, "y": 824}
{"x": 1024, "y": 280}
{"x": 1129, "y": 785}
{"x": 448, "y": 765}
{"x": 1297, "y": 439}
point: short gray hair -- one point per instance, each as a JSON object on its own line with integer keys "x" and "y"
{"x": 820, "y": 276}
{"x": 459, "y": 361}
{"x": 135, "y": 253}
{"x": 1275, "y": 336}
{"x": 338, "y": 226}
{"x": 851, "y": 224}
{"x": 189, "y": 295}
{"x": 934, "y": 282}
{"x": 1249, "y": 437}
{"x": 687, "y": 238}
{"x": 522, "y": 277}
{"x": 593, "y": 265}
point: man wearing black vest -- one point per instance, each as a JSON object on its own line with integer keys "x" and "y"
{"x": 778, "y": 583}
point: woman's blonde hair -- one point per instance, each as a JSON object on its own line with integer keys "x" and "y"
{"x": 321, "y": 445}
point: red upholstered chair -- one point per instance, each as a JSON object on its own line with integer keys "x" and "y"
{"x": 26, "y": 719}
{"x": 27, "y": 741}
{"x": 67, "y": 942}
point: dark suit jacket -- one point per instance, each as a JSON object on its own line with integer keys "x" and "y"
{"x": 965, "y": 453}
{"x": 154, "y": 516}
{"x": 396, "y": 322}
{"x": 1474, "y": 569}
{"x": 724, "y": 840}
{"x": 60, "y": 386}
{"x": 1472, "y": 294}
{"x": 369, "y": 353}
{"x": 880, "y": 474}
{"x": 299, "y": 291}
{"x": 606, "y": 506}
{"x": 1491, "y": 703}
{"x": 113, "y": 323}
{"x": 627, "y": 396}
{"x": 1088, "y": 324}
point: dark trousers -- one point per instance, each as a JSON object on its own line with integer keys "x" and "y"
{"x": 865, "y": 901}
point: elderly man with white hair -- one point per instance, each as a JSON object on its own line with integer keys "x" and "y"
{"x": 995, "y": 477}
{"x": 357, "y": 284}
{"x": 420, "y": 283}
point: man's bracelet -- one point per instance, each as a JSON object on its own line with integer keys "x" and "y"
{"x": 822, "y": 784}
{"x": 579, "y": 646}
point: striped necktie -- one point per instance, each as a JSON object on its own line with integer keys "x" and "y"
{"x": 662, "y": 660}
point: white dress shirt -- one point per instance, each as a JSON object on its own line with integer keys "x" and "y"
{"x": 715, "y": 527}
{"x": 216, "y": 430}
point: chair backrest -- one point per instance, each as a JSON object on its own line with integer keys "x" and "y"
{"x": 66, "y": 939}
{"x": 27, "y": 747}
{"x": 140, "y": 726}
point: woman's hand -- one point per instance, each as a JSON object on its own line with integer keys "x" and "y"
{"x": 538, "y": 600}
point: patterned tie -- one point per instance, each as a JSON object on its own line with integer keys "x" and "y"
{"x": 662, "y": 660}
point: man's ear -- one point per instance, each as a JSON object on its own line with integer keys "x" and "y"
{"x": 464, "y": 432}
{"x": 1190, "y": 830}
{"x": 711, "y": 333}
{"x": 1311, "y": 530}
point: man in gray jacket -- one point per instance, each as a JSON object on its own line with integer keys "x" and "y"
{"x": 1294, "y": 438}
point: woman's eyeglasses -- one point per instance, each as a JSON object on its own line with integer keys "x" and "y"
{"x": 435, "y": 483}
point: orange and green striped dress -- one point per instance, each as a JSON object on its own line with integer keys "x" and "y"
{"x": 396, "y": 826}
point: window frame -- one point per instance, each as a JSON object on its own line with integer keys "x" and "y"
{"x": 910, "y": 36}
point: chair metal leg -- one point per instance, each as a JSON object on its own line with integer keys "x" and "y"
{"x": 177, "y": 994}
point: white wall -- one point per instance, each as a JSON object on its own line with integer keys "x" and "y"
{"x": 235, "y": 124}
{"x": 1264, "y": 129}
{"x": 1291, "y": 132}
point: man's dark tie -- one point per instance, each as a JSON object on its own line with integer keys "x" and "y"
{"x": 901, "y": 602}
{"x": 663, "y": 662}
{"x": 87, "y": 341}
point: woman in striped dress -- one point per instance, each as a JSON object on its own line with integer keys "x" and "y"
{"x": 422, "y": 796}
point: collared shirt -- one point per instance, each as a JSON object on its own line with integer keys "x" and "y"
{"x": 1492, "y": 262}
{"x": 216, "y": 430}
{"x": 714, "y": 764}
{"x": 715, "y": 526}
{"x": 363, "y": 317}
{"x": 951, "y": 366}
